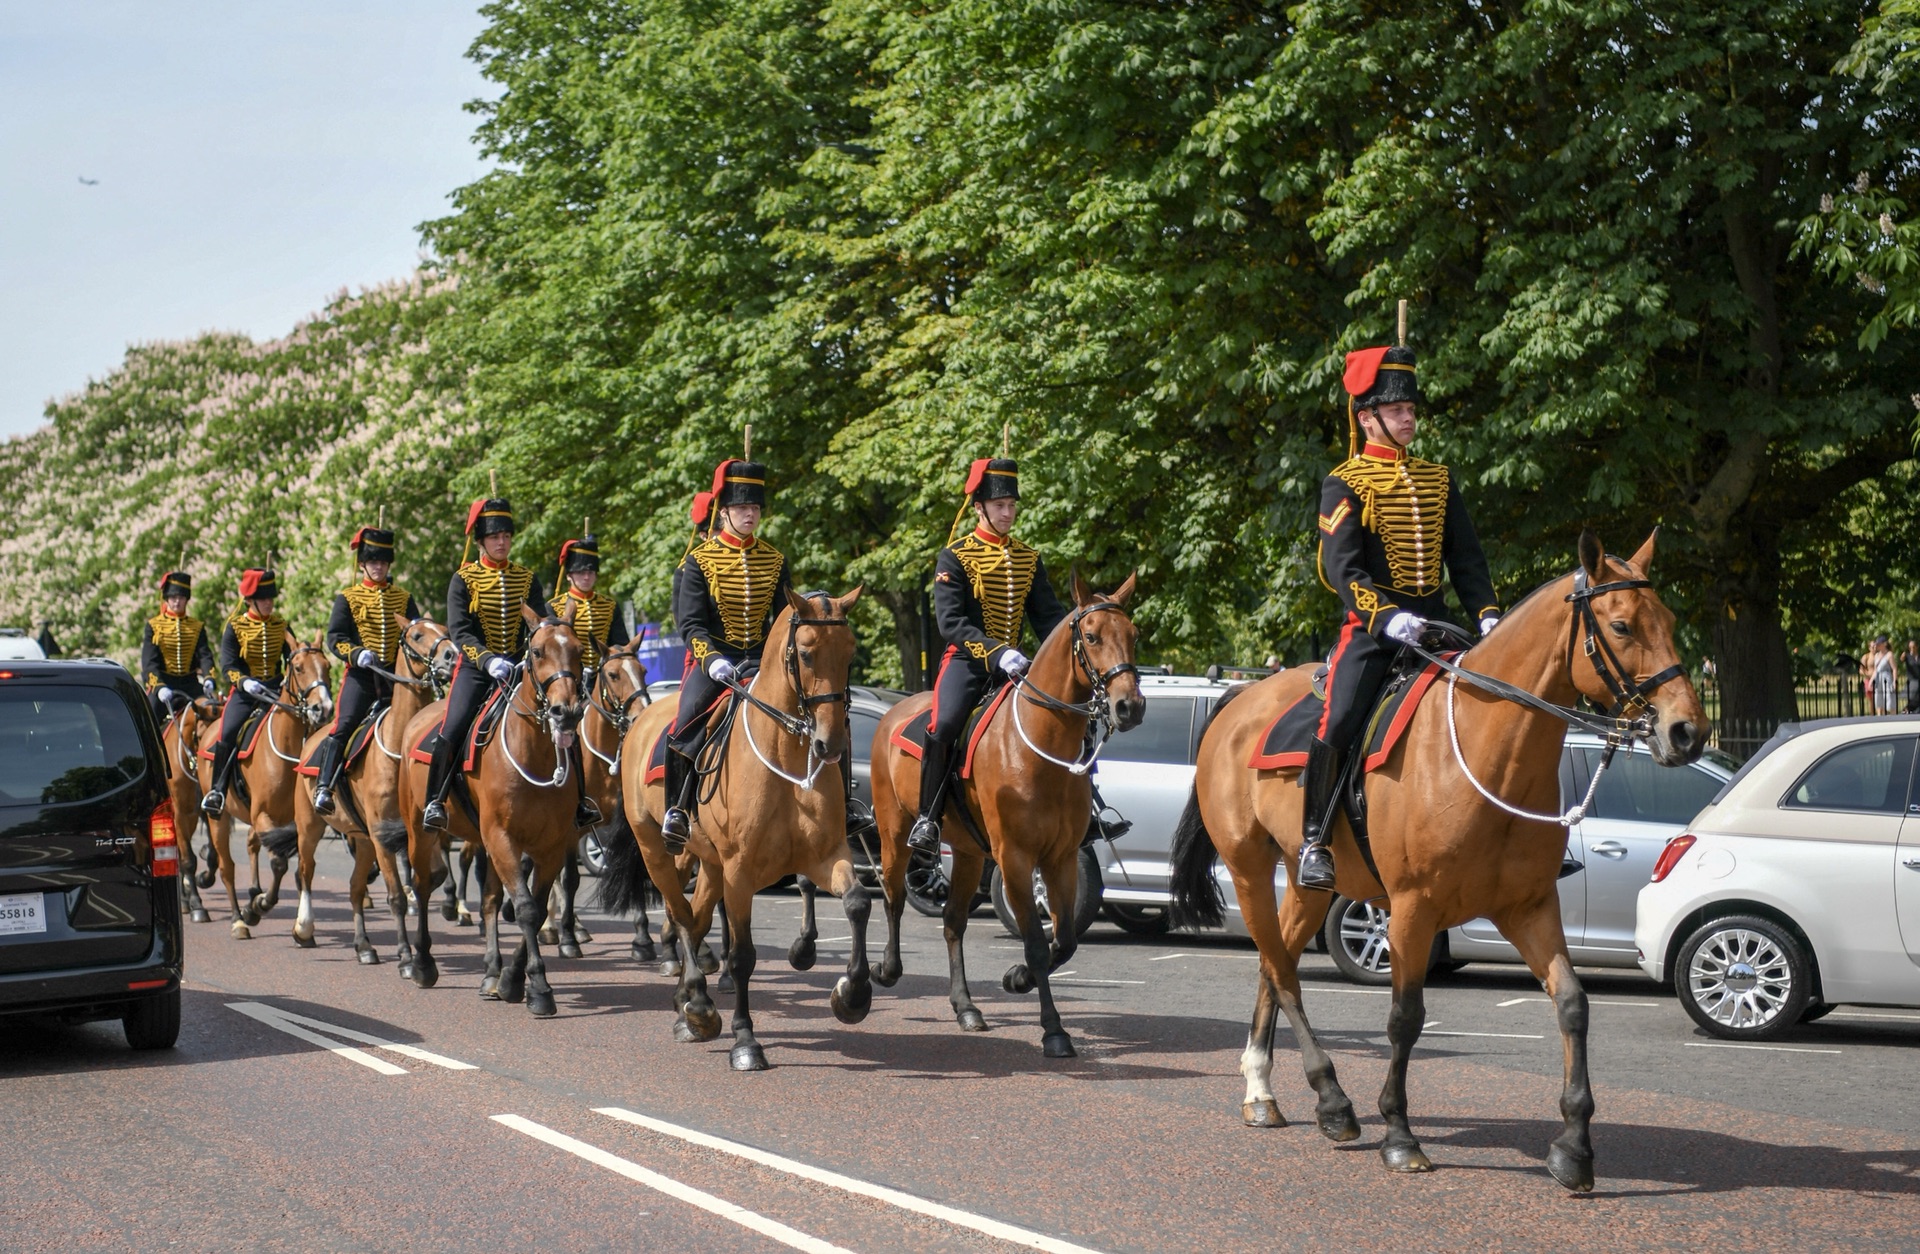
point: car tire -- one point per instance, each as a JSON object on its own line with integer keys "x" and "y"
{"x": 153, "y": 1022}
{"x": 1356, "y": 937}
{"x": 1086, "y": 908}
{"x": 1744, "y": 978}
{"x": 1816, "y": 1010}
{"x": 593, "y": 856}
{"x": 926, "y": 884}
{"x": 1140, "y": 920}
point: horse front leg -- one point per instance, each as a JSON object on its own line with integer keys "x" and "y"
{"x": 1541, "y": 939}
{"x": 573, "y": 931}
{"x": 746, "y": 1054}
{"x": 968, "y": 865}
{"x": 1016, "y": 878}
{"x": 186, "y": 818}
{"x": 254, "y": 909}
{"x": 530, "y": 912}
{"x": 1301, "y": 915}
{"x": 363, "y": 863}
{"x": 309, "y": 838}
{"x": 424, "y": 971}
{"x": 1410, "y": 937}
{"x": 853, "y": 992}
{"x": 399, "y": 888}
{"x": 492, "y": 897}
{"x": 800, "y": 955}
{"x": 219, "y": 839}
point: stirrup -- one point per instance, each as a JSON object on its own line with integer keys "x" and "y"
{"x": 213, "y": 803}
{"x": 675, "y": 827}
{"x": 925, "y": 836}
{"x": 1316, "y": 867}
{"x": 435, "y": 815}
{"x": 587, "y": 814}
{"x": 323, "y": 800}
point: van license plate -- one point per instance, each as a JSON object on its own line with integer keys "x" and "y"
{"x": 22, "y": 912}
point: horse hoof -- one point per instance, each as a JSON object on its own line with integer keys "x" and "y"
{"x": 708, "y": 963}
{"x": 581, "y": 936}
{"x": 1057, "y": 1045}
{"x": 513, "y": 991}
{"x": 1339, "y": 1126}
{"x": 725, "y": 983}
{"x": 671, "y": 968}
{"x": 241, "y": 931}
{"x": 568, "y": 949}
{"x": 887, "y": 974}
{"x": 305, "y": 942}
{"x": 406, "y": 968}
{"x": 800, "y": 955}
{"x": 490, "y": 988}
{"x": 466, "y": 917}
{"x": 1573, "y": 1171}
{"x": 369, "y": 957}
{"x": 249, "y": 917}
{"x": 971, "y": 1020}
{"x": 643, "y": 951}
{"x": 701, "y": 1025}
{"x": 1017, "y": 979}
{"x": 851, "y": 1000}
{"x": 1407, "y": 1158}
{"x": 426, "y": 972}
{"x": 540, "y": 1003}
{"x": 549, "y": 935}
{"x": 201, "y": 916}
{"x": 747, "y": 1058}
{"x": 1264, "y": 1113}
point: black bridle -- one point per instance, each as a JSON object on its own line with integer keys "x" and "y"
{"x": 620, "y": 717}
{"x": 428, "y": 664}
{"x": 801, "y": 725}
{"x": 1096, "y": 708}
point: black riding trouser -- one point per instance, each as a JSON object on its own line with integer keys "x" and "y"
{"x": 957, "y": 689}
{"x": 360, "y": 691}
{"x": 239, "y": 707}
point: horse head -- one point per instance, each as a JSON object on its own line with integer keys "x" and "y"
{"x": 819, "y": 645}
{"x": 553, "y": 675}
{"x": 622, "y": 680}
{"x": 1104, "y": 642}
{"x": 427, "y": 651}
{"x": 1630, "y": 664}
{"x": 308, "y": 673}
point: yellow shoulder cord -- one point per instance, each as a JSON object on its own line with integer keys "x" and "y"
{"x": 955, "y": 529}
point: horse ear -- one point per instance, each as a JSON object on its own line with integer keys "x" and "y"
{"x": 1082, "y": 594}
{"x": 1593, "y": 555}
{"x": 1643, "y": 559}
{"x": 403, "y": 621}
{"x": 797, "y": 603}
{"x": 845, "y": 603}
{"x": 1125, "y": 590}
{"x": 566, "y": 615}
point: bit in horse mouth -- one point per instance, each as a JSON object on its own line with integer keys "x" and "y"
{"x": 563, "y": 739}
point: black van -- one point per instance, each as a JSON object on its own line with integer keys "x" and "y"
{"x": 89, "y": 860}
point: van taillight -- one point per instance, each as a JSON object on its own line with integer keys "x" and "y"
{"x": 1670, "y": 856}
{"x": 166, "y": 845}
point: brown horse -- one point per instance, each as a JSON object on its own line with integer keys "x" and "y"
{"x": 1445, "y": 850}
{"x": 1029, "y": 795}
{"x": 368, "y": 814}
{"x": 267, "y": 808}
{"x": 178, "y": 739}
{"x": 773, "y": 804}
{"x": 523, "y": 799}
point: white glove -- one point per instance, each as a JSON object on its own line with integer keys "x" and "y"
{"x": 720, "y": 669}
{"x": 366, "y": 657}
{"x": 1487, "y": 623}
{"x": 500, "y": 669}
{"x": 254, "y": 688}
{"x": 1406, "y": 627}
{"x": 206, "y": 686}
{"x": 164, "y": 693}
{"x": 1013, "y": 662}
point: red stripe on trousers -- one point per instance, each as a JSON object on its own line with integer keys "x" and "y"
{"x": 1333, "y": 665}
{"x": 933, "y": 716}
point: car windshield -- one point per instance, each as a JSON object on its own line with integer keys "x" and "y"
{"x": 65, "y": 744}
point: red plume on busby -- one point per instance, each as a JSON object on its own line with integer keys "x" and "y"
{"x": 485, "y": 517}
{"x": 702, "y": 508}
{"x": 255, "y": 582}
{"x": 176, "y": 582}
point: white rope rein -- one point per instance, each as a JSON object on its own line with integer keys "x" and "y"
{"x": 274, "y": 745}
{"x": 813, "y": 764}
{"x": 1076, "y": 766}
{"x": 379, "y": 719}
{"x": 1568, "y": 819}
{"x": 506, "y": 748}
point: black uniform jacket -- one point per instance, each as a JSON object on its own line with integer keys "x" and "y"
{"x": 483, "y": 610}
{"x": 255, "y": 648}
{"x": 173, "y": 648}
{"x": 726, "y": 594}
{"x": 362, "y": 618}
{"x": 596, "y": 620}
{"x": 1388, "y": 523}
{"x": 985, "y": 588}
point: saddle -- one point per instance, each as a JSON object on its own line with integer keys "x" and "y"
{"x": 356, "y": 743}
{"x": 714, "y": 713}
{"x": 911, "y": 736}
{"x": 249, "y": 735}
{"x": 478, "y": 737}
{"x": 1284, "y": 746}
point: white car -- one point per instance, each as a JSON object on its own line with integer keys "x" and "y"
{"x": 1798, "y": 888}
{"x": 17, "y": 646}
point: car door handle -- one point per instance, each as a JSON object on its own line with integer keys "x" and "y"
{"x": 1913, "y": 864}
{"x": 1608, "y": 849}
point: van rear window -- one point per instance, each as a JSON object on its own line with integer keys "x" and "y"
{"x": 65, "y": 744}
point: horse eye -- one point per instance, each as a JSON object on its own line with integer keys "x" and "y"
{"x": 806, "y": 655}
{"x": 1619, "y": 628}
{"x": 1093, "y": 640}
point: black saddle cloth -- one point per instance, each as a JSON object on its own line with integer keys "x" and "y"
{"x": 1285, "y": 743}
{"x": 911, "y": 736}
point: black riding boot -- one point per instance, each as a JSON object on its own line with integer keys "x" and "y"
{"x": 328, "y": 776}
{"x": 216, "y": 799}
{"x": 439, "y": 778}
{"x": 682, "y": 779}
{"x": 1321, "y": 782}
{"x": 935, "y": 769}
{"x": 585, "y": 813}
{"x": 1100, "y": 827}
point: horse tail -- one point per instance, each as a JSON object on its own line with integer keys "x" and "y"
{"x": 622, "y": 889}
{"x": 1196, "y": 897}
{"x": 392, "y": 835}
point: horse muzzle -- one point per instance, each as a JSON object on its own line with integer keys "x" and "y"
{"x": 1128, "y": 712}
{"x": 1677, "y": 743}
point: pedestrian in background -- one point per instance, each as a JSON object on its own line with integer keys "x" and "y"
{"x": 1912, "y": 662}
{"x": 1877, "y": 670}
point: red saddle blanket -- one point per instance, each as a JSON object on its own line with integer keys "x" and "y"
{"x": 249, "y": 736}
{"x": 1285, "y": 744}
{"x": 356, "y": 744}
{"x": 476, "y": 738}
{"x": 911, "y": 736}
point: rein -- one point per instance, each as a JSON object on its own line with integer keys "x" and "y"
{"x": 621, "y": 719}
{"x": 1095, "y": 709}
{"x": 801, "y": 725}
{"x": 541, "y": 707}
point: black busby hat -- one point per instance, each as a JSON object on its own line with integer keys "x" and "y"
{"x": 1381, "y": 376}
{"x": 255, "y": 583}
{"x": 373, "y": 544}
{"x": 737, "y": 482}
{"x": 581, "y": 554}
{"x": 485, "y": 517}
{"x": 993, "y": 479}
{"x": 176, "y": 583}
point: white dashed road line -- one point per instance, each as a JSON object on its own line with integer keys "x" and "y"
{"x": 1777, "y": 1049}
{"x": 264, "y": 1014}
{"x": 1591, "y": 1001}
{"x": 633, "y": 1171}
{"x": 297, "y": 1025}
{"x": 819, "y": 1175}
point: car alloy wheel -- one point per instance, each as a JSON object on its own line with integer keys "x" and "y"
{"x": 1744, "y": 978}
{"x": 1356, "y": 936}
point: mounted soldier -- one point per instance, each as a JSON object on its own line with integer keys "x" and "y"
{"x": 726, "y": 591}
{"x": 364, "y": 632}
{"x": 597, "y": 621}
{"x": 490, "y": 601}
{"x": 253, "y": 654}
{"x": 1389, "y": 522}
{"x": 175, "y": 659}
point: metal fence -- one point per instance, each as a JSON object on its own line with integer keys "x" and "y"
{"x": 1826, "y": 696}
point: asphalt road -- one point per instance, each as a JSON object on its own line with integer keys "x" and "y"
{"x": 902, "y": 1132}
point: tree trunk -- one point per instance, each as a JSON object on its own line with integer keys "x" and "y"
{"x": 905, "y": 608}
{"x": 1749, "y": 648}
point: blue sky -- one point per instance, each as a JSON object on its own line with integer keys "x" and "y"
{"x": 252, "y": 159}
